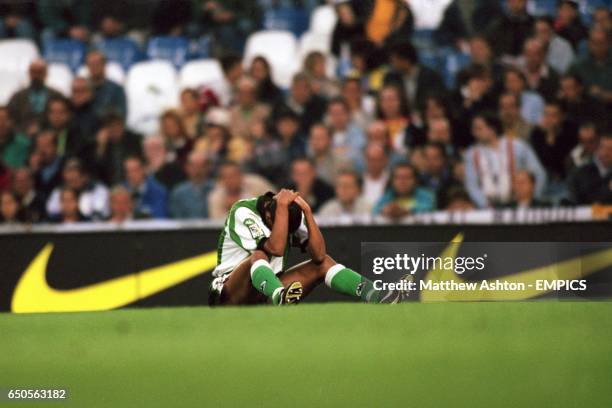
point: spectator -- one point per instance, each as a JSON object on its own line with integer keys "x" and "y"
{"x": 14, "y": 145}
{"x": 168, "y": 173}
{"x": 172, "y": 17}
{"x": 309, "y": 107}
{"x": 48, "y": 164}
{"x": 268, "y": 155}
{"x": 459, "y": 201}
{"x": 173, "y": 130}
{"x": 361, "y": 106}
{"x": 595, "y": 69}
{"x": 552, "y": 142}
{"x": 393, "y": 109}
{"x": 438, "y": 176}
{"x": 267, "y": 91}
{"x": 27, "y": 106}
{"x": 229, "y": 22}
{"x": 481, "y": 54}
{"x": 316, "y": 69}
{"x": 602, "y": 18}
{"x": 592, "y": 183}
{"x": 403, "y": 195}
{"x": 541, "y": 78}
{"x": 578, "y": 105}
{"x": 219, "y": 146}
{"x": 149, "y": 196}
{"x": 93, "y": 196}
{"x": 247, "y": 110}
{"x": 232, "y": 71}
{"x": 287, "y": 127}
{"x": 491, "y": 163}
{"x": 59, "y": 117}
{"x": 114, "y": 143}
{"x": 559, "y": 52}
{"x": 31, "y": 201}
{"x": 190, "y": 198}
{"x": 510, "y": 114}
{"x": 11, "y": 211}
{"x": 67, "y": 19}
{"x": 69, "y": 208}
{"x": 348, "y": 139}
{"x": 568, "y": 24}
{"x": 190, "y": 113}
{"x": 509, "y": 31}
{"x": 122, "y": 206}
{"x": 304, "y": 180}
{"x": 376, "y": 173}
{"x": 348, "y": 202}
{"x": 15, "y": 20}
{"x": 523, "y": 191}
{"x": 86, "y": 120}
{"x": 386, "y": 21}
{"x": 532, "y": 104}
{"x": 440, "y": 132}
{"x": 108, "y": 96}
{"x": 583, "y": 153}
{"x": 417, "y": 81}
{"x": 327, "y": 160}
{"x": 349, "y": 25}
{"x": 232, "y": 186}
{"x": 5, "y": 177}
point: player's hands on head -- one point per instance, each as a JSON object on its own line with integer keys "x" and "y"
{"x": 285, "y": 197}
{"x": 299, "y": 200}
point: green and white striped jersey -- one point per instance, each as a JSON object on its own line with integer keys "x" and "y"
{"x": 243, "y": 231}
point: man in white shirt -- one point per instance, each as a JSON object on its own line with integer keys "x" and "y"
{"x": 377, "y": 174}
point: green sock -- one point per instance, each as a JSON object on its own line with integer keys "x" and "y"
{"x": 347, "y": 281}
{"x": 265, "y": 281}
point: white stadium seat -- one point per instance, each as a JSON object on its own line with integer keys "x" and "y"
{"x": 151, "y": 87}
{"x": 59, "y": 77}
{"x": 279, "y": 48}
{"x": 323, "y": 20}
{"x": 200, "y": 72}
{"x": 16, "y": 55}
{"x": 10, "y": 82}
{"x": 311, "y": 41}
{"x": 114, "y": 72}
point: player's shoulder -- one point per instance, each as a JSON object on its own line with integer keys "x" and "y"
{"x": 243, "y": 209}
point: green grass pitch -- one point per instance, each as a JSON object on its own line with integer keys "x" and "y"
{"x": 531, "y": 354}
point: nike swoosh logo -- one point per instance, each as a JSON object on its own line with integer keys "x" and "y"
{"x": 575, "y": 268}
{"x": 33, "y": 293}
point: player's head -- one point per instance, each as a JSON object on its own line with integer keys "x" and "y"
{"x": 266, "y": 205}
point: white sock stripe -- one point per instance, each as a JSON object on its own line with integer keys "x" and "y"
{"x": 258, "y": 263}
{"x": 331, "y": 272}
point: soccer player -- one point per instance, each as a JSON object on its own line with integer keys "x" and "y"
{"x": 252, "y": 255}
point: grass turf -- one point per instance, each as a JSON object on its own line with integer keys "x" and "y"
{"x": 420, "y": 355}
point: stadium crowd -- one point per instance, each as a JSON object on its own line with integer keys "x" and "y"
{"x": 524, "y": 123}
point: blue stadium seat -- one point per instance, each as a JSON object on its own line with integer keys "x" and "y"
{"x": 423, "y": 39}
{"x": 543, "y": 7}
{"x": 172, "y": 49}
{"x": 292, "y": 19}
{"x": 430, "y": 58}
{"x": 65, "y": 51}
{"x": 124, "y": 51}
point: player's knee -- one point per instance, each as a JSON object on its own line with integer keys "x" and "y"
{"x": 259, "y": 255}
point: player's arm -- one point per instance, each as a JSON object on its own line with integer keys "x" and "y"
{"x": 316, "y": 243}
{"x": 276, "y": 243}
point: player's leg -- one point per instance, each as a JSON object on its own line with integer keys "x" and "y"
{"x": 253, "y": 281}
{"x": 336, "y": 276}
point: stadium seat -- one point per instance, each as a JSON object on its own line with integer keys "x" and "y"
{"x": 200, "y": 72}
{"x": 310, "y": 41}
{"x": 16, "y": 55}
{"x": 323, "y": 20}
{"x": 151, "y": 87}
{"x": 59, "y": 77}
{"x": 114, "y": 72}
{"x": 279, "y": 48}
{"x": 172, "y": 49}
{"x": 292, "y": 19}
{"x": 542, "y": 7}
{"x": 452, "y": 62}
{"x": 65, "y": 51}
{"x": 10, "y": 82}
{"x": 124, "y": 51}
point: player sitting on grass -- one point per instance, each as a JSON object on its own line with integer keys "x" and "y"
{"x": 252, "y": 255}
